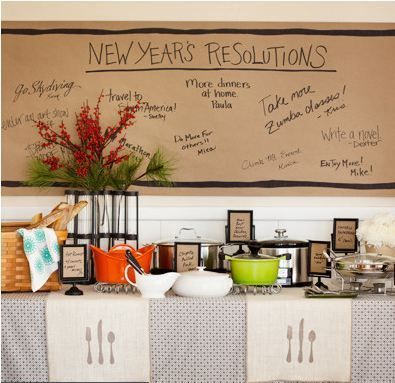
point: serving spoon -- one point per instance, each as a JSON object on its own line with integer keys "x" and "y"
{"x": 133, "y": 262}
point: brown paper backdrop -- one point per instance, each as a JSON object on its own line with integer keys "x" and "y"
{"x": 343, "y": 146}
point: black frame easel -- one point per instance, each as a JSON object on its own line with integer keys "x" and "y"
{"x": 120, "y": 202}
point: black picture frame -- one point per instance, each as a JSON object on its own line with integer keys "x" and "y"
{"x": 63, "y": 253}
{"x": 338, "y": 249}
{"x": 229, "y": 226}
{"x": 328, "y": 270}
{"x": 196, "y": 245}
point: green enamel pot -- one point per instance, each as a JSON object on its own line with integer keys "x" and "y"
{"x": 254, "y": 270}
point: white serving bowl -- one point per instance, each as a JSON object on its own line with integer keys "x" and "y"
{"x": 202, "y": 283}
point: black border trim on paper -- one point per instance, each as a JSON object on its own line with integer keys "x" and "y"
{"x": 269, "y": 184}
{"x": 202, "y": 31}
{"x": 251, "y": 213}
{"x": 328, "y": 273}
{"x": 85, "y": 278}
{"x": 355, "y": 248}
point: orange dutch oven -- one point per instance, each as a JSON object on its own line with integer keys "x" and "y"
{"x": 110, "y": 267}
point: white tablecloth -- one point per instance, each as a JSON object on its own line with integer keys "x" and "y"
{"x": 24, "y": 336}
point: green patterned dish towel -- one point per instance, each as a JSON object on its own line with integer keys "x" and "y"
{"x": 42, "y": 251}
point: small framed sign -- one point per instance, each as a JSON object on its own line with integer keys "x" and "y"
{"x": 73, "y": 266}
{"x": 344, "y": 235}
{"x": 317, "y": 264}
{"x": 186, "y": 256}
{"x": 240, "y": 226}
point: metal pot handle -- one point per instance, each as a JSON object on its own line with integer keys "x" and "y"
{"x": 281, "y": 233}
{"x": 188, "y": 229}
{"x": 222, "y": 247}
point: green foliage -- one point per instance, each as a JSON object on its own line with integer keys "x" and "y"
{"x": 124, "y": 175}
{"x": 96, "y": 179}
{"x": 40, "y": 175}
{"x": 160, "y": 169}
{"x": 119, "y": 177}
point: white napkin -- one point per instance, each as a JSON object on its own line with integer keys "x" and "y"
{"x": 268, "y": 319}
{"x": 74, "y": 343}
{"x": 42, "y": 251}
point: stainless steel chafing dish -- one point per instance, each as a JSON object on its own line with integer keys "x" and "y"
{"x": 364, "y": 266}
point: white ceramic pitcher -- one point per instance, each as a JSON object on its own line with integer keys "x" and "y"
{"x": 153, "y": 286}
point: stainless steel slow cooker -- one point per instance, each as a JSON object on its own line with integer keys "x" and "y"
{"x": 294, "y": 255}
{"x": 210, "y": 250}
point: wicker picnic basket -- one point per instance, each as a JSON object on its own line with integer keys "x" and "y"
{"x": 15, "y": 272}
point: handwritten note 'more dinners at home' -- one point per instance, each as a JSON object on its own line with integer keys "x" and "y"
{"x": 249, "y": 108}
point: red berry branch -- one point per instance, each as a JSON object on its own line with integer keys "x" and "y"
{"x": 93, "y": 157}
{"x": 93, "y": 140}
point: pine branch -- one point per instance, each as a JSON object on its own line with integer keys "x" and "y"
{"x": 40, "y": 175}
{"x": 124, "y": 175}
{"x": 159, "y": 169}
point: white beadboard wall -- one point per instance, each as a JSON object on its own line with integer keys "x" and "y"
{"x": 162, "y": 217}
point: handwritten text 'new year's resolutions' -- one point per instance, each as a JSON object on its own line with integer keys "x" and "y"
{"x": 142, "y": 53}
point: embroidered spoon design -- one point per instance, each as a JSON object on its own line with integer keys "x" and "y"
{"x": 312, "y": 337}
{"x": 111, "y": 340}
